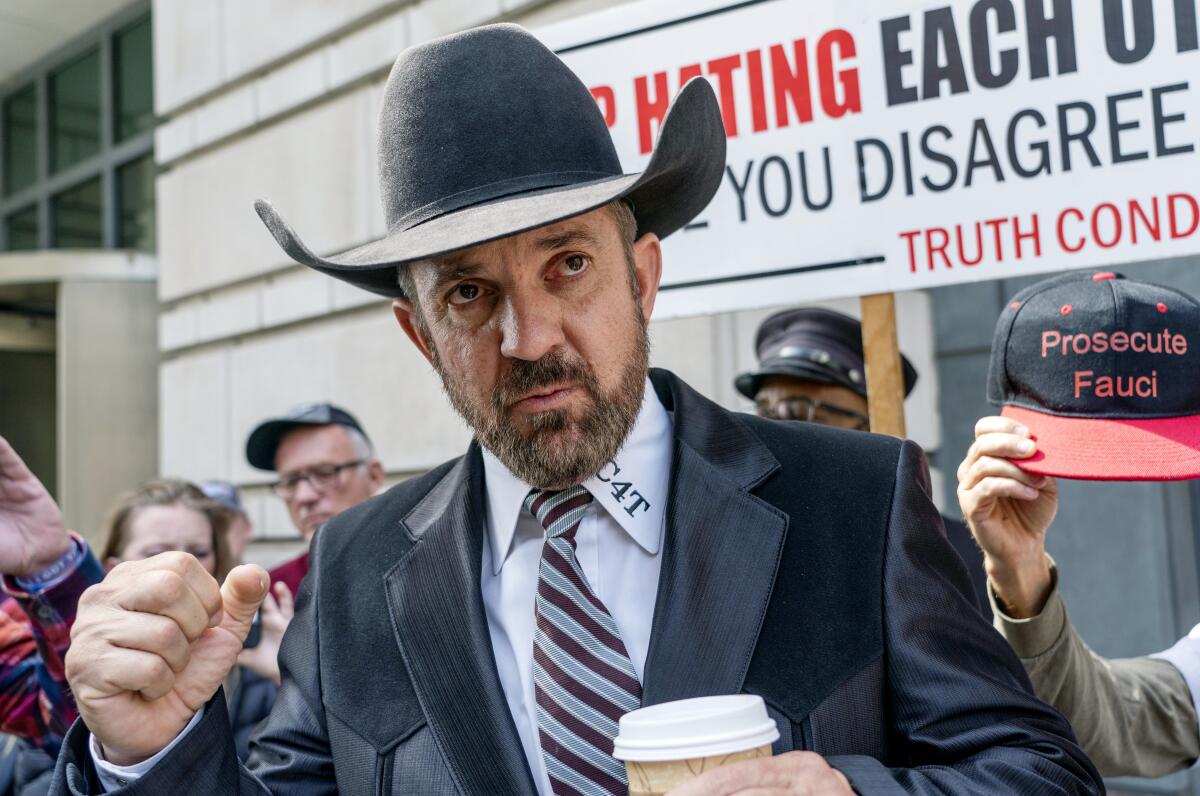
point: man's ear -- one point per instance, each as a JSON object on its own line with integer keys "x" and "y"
{"x": 406, "y": 316}
{"x": 375, "y": 474}
{"x": 647, "y": 266}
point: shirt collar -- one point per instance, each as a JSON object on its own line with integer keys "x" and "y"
{"x": 632, "y": 488}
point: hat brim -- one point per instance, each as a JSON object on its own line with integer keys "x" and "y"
{"x": 264, "y": 441}
{"x": 1102, "y": 449}
{"x": 748, "y": 384}
{"x": 683, "y": 174}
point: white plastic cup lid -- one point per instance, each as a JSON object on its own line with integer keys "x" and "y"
{"x": 690, "y": 728}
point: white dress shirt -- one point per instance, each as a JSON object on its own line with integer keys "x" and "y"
{"x": 618, "y": 544}
{"x": 1185, "y": 656}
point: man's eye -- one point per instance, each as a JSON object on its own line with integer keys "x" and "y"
{"x": 464, "y": 294}
{"x": 575, "y": 264}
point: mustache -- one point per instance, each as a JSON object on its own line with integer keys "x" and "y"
{"x": 525, "y": 377}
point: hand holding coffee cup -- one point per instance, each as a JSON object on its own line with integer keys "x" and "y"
{"x": 794, "y": 773}
{"x": 711, "y": 745}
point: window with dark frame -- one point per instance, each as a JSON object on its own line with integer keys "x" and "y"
{"x": 22, "y": 227}
{"x": 20, "y": 139}
{"x": 74, "y": 97}
{"x": 76, "y": 143}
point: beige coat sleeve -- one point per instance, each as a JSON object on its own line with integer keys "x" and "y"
{"x": 1133, "y": 717}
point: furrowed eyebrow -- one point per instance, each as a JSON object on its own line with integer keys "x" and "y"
{"x": 561, "y": 240}
{"x": 450, "y": 272}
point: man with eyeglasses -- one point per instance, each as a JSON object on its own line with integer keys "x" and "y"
{"x": 325, "y": 463}
{"x": 811, "y": 368}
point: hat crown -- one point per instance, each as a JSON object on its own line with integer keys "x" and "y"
{"x": 1098, "y": 345}
{"x": 483, "y": 114}
{"x": 813, "y": 344}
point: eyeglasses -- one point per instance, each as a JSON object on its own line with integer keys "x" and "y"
{"x": 320, "y": 478}
{"x": 810, "y": 411}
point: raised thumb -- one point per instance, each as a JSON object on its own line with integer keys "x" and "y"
{"x": 244, "y": 589}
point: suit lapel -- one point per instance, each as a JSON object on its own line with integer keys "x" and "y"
{"x": 722, "y": 551}
{"x": 437, "y": 612}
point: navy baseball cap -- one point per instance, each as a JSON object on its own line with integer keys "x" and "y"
{"x": 264, "y": 440}
{"x": 1103, "y": 371}
{"x": 816, "y": 344}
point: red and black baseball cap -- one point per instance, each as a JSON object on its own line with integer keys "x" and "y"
{"x": 1105, "y": 373}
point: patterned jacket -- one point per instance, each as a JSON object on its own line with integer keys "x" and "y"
{"x": 35, "y": 631}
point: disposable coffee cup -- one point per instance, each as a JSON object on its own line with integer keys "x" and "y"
{"x": 666, "y": 745}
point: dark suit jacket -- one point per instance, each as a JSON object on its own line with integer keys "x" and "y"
{"x": 802, "y": 563}
{"x": 964, "y": 544}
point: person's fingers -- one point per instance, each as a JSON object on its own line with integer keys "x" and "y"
{"x": 151, "y": 633}
{"x": 991, "y": 466}
{"x": 163, "y": 592}
{"x": 198, "y": 579}
{"x": 1008, "y": 446}
{"x": 1006, "y": 488}
{"x": 283, "y": 596}
{"x": 12, "y": 468}
{"x": 118, "y": 669}
{"x": 996, "y": 443}
{"x": 269, "y": 608}
{"x": 244, "y": 589}
{"x": 760, "y": 773}
{"x": 995, "y": 424}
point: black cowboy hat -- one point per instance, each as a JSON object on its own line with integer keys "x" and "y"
{"x": 487, "y": 133}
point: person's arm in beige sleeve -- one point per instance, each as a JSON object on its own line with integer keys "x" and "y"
{"x": 1133, "y": 717}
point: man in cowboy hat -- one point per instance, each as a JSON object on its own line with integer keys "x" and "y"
{"x": 611, "y": 538}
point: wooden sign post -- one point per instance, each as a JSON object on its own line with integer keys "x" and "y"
{"x": 885, "y": 375}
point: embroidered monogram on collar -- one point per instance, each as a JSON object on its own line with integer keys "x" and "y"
{"x": 623, "y": 490}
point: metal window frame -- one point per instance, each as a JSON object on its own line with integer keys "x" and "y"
{"x": 112, "y": 155}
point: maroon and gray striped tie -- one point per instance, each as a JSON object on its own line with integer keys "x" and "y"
{"x": 582, "y": 675}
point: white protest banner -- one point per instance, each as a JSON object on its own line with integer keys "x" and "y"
{"x": 889, "y": 145}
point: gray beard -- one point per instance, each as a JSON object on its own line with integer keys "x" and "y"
{"x": 557, "y": 451}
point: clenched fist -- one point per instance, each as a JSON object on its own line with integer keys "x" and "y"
{"x": 151, "y": 644}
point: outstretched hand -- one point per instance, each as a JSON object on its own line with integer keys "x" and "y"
{"x": 151, "y": 645}
{"x": 32, "y": 535}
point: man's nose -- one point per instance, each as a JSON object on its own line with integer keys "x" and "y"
{"x": 305, "y": 493}
{"x": 530, "y": 327}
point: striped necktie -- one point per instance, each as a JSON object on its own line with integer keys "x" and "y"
{"x": 583, "y": 678}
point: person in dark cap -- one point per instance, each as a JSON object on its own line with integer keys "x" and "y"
{"x": 325, "y": 464}
{"x": 811, "y": 368}
{"x": 609, "y": 539}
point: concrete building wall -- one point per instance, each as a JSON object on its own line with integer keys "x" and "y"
{"x": 107, "y": 368}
